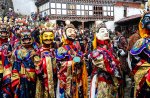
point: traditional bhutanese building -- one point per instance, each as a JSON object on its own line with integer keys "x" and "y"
{"x": 79, "y": 12}
{"x": 127, "y": 15}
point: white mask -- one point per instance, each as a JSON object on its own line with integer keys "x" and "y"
{"x": 70, "y": 34}
{"x": 102, "y": 34}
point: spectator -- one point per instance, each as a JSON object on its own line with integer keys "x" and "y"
{"x": 122, "y": 54}
{"x": 132, "y": 39}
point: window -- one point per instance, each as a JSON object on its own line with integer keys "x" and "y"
{"x": 86, "y": 13}
{"x": 98, "y": 10}
{"x": 63, "y": 6}
{"x": 90, "y": 13}
{"x": 82, "y": 12}
{"x": 71, "y": 9}
{"x": 52, "y": 5}
{"x": 90, "y": 7}
{"x": 109, "y": 14}
{"x": 112, "y": 13}
{"x": 86, "y": 10}
{"x": 78, "y": 12}
{"x": 58, "y": 11}
{"x": 58, "y": 5}
{"x": 109, "y": 8}
{"x": 112, "y": 8}
{"x": 105, "y": 14}
{"x": 82, "y": 7}
{"x": 108, "y": 11}
{"x": 71, "y": 6}
{"x": 64, "y": 12}
{"x": 78, "y": 7}
{"x": 53, "y": 11}
{"x": 86, "y": 7}
{"x": 104, "y": 8}
{"x": 90, "y": 10}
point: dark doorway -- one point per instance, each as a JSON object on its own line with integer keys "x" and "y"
{"x": 89, "y": 24}
{"x": 77, "y": 24}
{"x": 60, "y": 23}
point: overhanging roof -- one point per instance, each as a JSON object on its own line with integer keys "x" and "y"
{"x": 129, "y": 18}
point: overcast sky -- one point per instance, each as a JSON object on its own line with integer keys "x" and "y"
{"x": 24, "y": 7}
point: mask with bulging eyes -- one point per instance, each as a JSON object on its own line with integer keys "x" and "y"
{"x": 4, "y": 34}
{"x": 26, "y": 38}
{"x": 102, "y": 34}
{"x": 146, "y": 21}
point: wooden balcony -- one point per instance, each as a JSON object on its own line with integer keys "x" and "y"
{"x": 77, "y": 18}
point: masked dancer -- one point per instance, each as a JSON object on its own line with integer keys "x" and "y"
{"x": 23, "y": 79}
{"x": 5, "y": 54}
{"x": 106, "y": 74}
{"x": 47, "y": 72}
{"x": 72, "y": 75}
{"x": 141, "y": 59}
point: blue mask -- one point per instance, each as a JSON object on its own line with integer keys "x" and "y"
{"x": 146, "y": 21}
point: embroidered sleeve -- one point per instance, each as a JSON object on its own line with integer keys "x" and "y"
{"x": 60, "y": 53}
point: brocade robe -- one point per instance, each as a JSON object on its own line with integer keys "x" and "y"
{"x": 141, "y": 67}
{"x": 47, "y": 74}
{"x": 105, "y": 75}
{"x": 23, "y": 79}
{"x": 72, "y": 74}
{"x": 5, "y": 68}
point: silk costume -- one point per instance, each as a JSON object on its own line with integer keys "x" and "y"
{"x": 141, "y": 60}
{"x": 47, "y": 69}
{"x": 141, "y": 66}
{"x": 23, "y": 79}
{"x": 5, "y": 53}
{"x": 47, "y": 74}
{"x": 6, "y": 71}
{"x": 72, "y": 74}
{"x": 106, "y": 70}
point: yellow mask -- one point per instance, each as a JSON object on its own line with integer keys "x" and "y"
{"x": 48, "y": 36}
